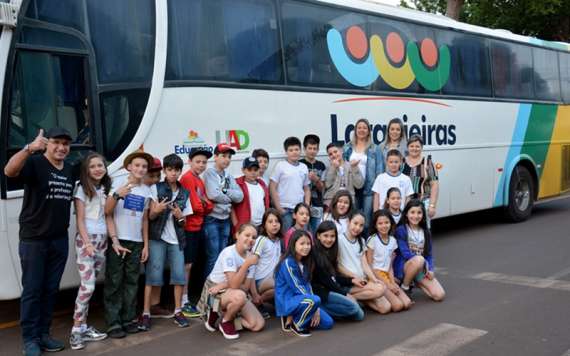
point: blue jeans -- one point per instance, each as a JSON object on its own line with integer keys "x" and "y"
{"x": 159, "y": 253}
{"x": 314, "y": 224}
{"x": 342, "y": 307}
{"x": 287, "y": 218}
{"x": 217, "y": 235}
{"x": 364, "y": 205}
{"x": 43, "y": 263}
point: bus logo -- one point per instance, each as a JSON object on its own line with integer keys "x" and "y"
{"x": 193, "y": 137}
{"x": 238, "y": 139}
{"x": 366, "y": 60}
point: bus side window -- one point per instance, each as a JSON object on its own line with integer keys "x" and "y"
{"x": 565, "y": 75}
{"x": 47, "y": 90}
{"x": 122, "y": 112}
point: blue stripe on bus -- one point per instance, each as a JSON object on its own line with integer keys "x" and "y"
{"x": 515, "y": 150}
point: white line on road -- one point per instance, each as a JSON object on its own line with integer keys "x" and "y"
{"x": 524, "y": 281}
{"x": 560, "y": 274}
{"x": 443, "y": 339}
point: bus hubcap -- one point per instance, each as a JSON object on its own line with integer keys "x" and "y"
{"x": 522, "y": 195}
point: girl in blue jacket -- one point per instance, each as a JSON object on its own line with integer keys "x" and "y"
{"x": 414, "y": 261}
{"x": 295, "y": 302}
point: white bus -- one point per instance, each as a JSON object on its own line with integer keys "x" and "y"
{"x": 167, "y": 75}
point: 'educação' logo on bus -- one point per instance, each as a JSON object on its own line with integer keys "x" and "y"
{"x": 397, "y": 63}
{"x": 193, "y": 139}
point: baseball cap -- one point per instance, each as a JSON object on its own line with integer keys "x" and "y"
{"x": 156, "y": 165}
{"x": 194, "y": 151}
{"x": 223, "y": 148}
{"x": 250, "y": 162}
{"x": 56, "y": 132}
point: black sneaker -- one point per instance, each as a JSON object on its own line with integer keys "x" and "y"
{"x": 264, "y": 313}
{"x": 116, "y": 333}
{"x": 144, "y": 323}
{"x": 131, "y": 328}
{"x": 300, "y": 332}
{"x": 284, "y": 326}
{"x": 48, "y": 344}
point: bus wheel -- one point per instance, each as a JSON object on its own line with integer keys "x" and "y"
{"x": 521, "y": 195}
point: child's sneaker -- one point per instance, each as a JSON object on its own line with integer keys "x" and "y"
{"x": 76, "y": 341}
{"x": 264, "y": 313}
{"x": 284, "y": 325}
{"x": 92, "y": 334}
{"x": 300, "y": 332}
{"x": 210, "y": 323}
{"x": 180, "y": 320}
{"x": 228, "y": 330}
{"x": 190, "y": 311}
{"x": 144, "y": 323}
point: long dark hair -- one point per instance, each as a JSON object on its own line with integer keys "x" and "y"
{"x": 390, "y": 191}
{"x": 298, "y": 207}
{"x": 360, "y": 237}
{"x": 326, "y": 258}
{"x": 307, "y": 261}
{"x": 85, "y": 180}
{"x": 341, "y": 193}
{"x": 274, "y": 212}
{"x": 414, "y": 203}
{"x": 379, "y": 213}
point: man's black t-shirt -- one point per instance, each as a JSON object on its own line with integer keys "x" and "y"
{"x": 318, "y": 168}
{"x": 48, "y": 193}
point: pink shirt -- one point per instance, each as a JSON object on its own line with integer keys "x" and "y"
{"x": 290, "y": 232}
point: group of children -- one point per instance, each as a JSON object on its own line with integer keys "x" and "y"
{"x": 297, "y": 240}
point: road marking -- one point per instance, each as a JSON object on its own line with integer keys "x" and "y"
{"x": 567, "y": 353}
{"x": 443, "y": 339}
{"x": 560, "y": 274}
{"x": 14, "y": 323}
{"x": 524, "y": 281}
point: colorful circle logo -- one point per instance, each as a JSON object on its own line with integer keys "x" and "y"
{"x": 427, "y": 64}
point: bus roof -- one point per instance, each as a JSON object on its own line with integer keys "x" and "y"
{"x": 442, "y": 21}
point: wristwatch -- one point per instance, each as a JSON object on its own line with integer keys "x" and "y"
{"x": 116, "y": 196}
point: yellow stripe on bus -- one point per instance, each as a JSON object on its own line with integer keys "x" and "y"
{"x": 551, "y": 179}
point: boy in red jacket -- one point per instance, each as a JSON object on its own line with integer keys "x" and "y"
{"x": 255, "y": 196}
{"x": 198, "y": 160}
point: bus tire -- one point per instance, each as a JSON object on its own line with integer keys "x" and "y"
{"x": 521, "y": 195}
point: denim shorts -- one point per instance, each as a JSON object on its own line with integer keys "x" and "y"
{"x": 160, "y": 253}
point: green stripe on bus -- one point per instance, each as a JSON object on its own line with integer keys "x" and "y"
{"x": 539, "y": 132}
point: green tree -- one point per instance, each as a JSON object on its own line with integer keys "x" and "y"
{"x": 545, "y": 19}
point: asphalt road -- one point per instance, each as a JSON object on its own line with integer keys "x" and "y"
{"x": 508, "y": 293}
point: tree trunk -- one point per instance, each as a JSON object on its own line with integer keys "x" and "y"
{"x": 454, "y": 8}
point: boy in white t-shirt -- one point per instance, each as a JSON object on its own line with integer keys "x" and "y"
{"x": 255, "y": 196}
{"x": 126, "y": 213}
{"x": 289, "y": 184}
{"x": 392, "y": 178}
{"x": 168, "y": 210}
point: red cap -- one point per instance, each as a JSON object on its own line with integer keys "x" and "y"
{"x": 223, "y": 148}
{"x": 156, "y": 165}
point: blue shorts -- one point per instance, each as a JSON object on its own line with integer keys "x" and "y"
{"x": 160, "y": 253}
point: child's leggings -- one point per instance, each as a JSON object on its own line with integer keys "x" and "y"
{"x": 89, "y": 267}
{"x": 306, "y": 309}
